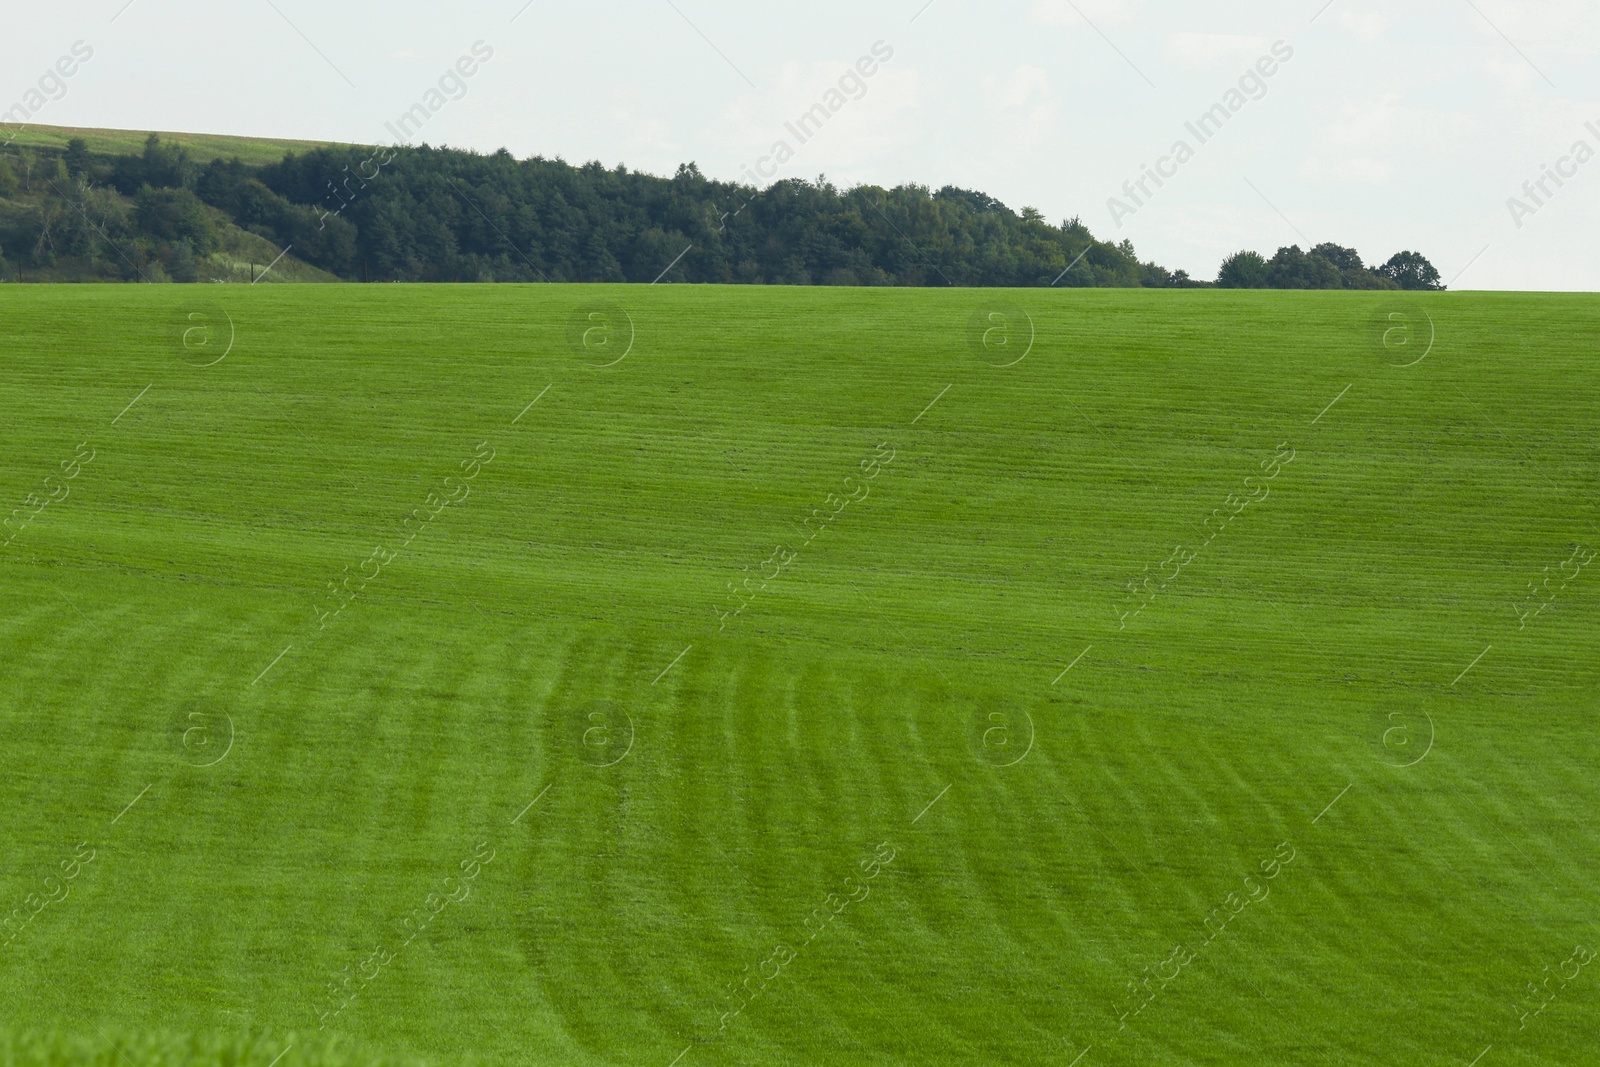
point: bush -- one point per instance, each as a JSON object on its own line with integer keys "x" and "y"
{"x": 176, "y": 215}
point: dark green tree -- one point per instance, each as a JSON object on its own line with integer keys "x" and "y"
{"x": 160, "y": 166}
{"x": 168, "y": 166}
{"x": 175, "y": 215}
{"x": 91, "y": 220}
{"x": 1410, "y": 270}
{"x": 1366, "y": 279}
{"x": 539, "y": 219}
{"x": 181, "y": 264}
{"x": 77, "y": 156}
{"x": 1243, "y": 270}
{"x": 1291, "y": 268}
{"x": 1343, "y": 258}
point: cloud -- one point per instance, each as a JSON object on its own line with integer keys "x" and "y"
{"x": 1071, "y": 13}
{"x": 651, "y": 135}
{"x": 1512, "y": 73}
{"x": 1357, "y": 147}
{"x": 1372, "y": 139}
{"x": 1018, "y": 90}
{"x": 1368, "y": 123}
{"x": 1207, "y": 50}
{"x": 1363, "y": 170}
{"x": 1367, "y": 25}
{"x": 1555, "y": 25}
{"x": 870, "y": 127}
{"x": 1020, "y": 104}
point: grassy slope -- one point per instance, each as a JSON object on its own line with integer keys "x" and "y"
{"x": 777, "y": 753}
{"x": 241, "y": 249}
{"x": 204, "y": 146}
{"x": 241, "y": 257}
{"x": 246, "y": 256}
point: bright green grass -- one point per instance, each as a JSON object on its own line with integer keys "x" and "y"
{"x": 775, "y": 755}
{"x": 204, "y": 146}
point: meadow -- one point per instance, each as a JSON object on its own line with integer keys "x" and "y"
{"x": 204, "y": 147}
{"x": 685, "y": 676}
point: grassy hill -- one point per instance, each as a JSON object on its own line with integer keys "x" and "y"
{"x": 239, "y": 256}
{"x": 204, "y": 147}
{"x": 1166, "y": 692}
{"x": 56, "y": 227}
{"x": 448, "y": 215}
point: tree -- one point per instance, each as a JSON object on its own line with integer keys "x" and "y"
{"x": 1293, "y": 269}
{"x": 176, "y": 215}
{"x": 167, "y": 166}
{"x": 90, "y": 223}
{"x": 1411, "y": 270}
{"x": 1343, "y": 258}
{"x": 1366, "y": 279}
{"x": 1243, "y": 270}
{"x": 77, "y": 157}
{"x": 182, "y": 265}
{"x": 437, "y": 214}
{"x": 8, "y": 180}
{"x": 27, "y": 159}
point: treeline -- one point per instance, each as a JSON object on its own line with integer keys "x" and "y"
{"x": 441, "y": 215}
{"x": 1327, "y": 266}
{"x": 433, "y": 214}
{"x": 153, "y": 216}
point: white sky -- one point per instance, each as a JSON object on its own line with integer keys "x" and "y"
{"x": 1394, "y": 125}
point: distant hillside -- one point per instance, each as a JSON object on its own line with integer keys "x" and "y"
{"x": 203, "y": 147}
{"x": 98, "y": 205}
{"x": 69, "y": 211}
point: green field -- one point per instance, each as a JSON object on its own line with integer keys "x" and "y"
{"x": 204, "y": 147}
{"x": 300, "y": 638}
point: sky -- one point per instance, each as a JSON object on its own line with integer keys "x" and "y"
{"x": 1382, "y": 126}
